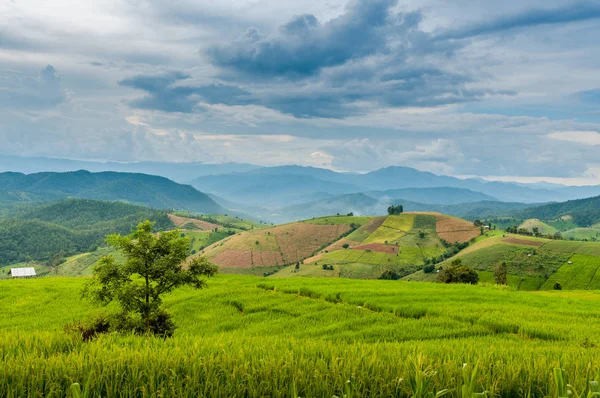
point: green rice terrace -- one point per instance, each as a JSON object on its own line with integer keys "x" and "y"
{"x": 306, "y": 317}
{"x": 305, "y": 337}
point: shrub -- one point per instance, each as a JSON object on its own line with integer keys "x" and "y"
{"x": 389, "y": 275}
{"x": 428, "y": 269}
{"x": 557, "y": 286}
{"x": 458, "y": 273}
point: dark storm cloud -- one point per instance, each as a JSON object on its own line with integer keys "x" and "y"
{"x": 167, "y": 93}
{"x": 572, "y": 12}
{"x": 304, "y": 45}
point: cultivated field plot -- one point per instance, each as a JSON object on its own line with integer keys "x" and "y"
{"x": 251, "y": 337}
{"x": 379, "y": 247}
{"x": 183, "y": 221}
{"x": 367, "y": 229}
{"x": 277, "y": 246}
{"x": 392, "y": 229}
{"x": 566, "y": 246}
{"x": 453, "y": 229}
{"x": 523, "y": 242}
{"x": 581, "y": 274}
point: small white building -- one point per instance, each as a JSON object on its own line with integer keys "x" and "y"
{"x": 22, "y": 272}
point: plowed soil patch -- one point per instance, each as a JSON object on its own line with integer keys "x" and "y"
{"x": 455, "y": 229}
{"x": 378, "y": 247}
{"x": 234, "y": 259}
{"x": 298, "y": 241}
{"x": 524, "y": 242}
{"x": 203, "y": 225}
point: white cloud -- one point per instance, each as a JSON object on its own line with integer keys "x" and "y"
{"x": 581, "y": 137}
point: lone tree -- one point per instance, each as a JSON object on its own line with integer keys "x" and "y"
{"x": 394, "y": 210}
{"x": 155, "y": 264}
{"x": 500, "y": 274}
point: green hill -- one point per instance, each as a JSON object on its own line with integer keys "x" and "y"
{"x": 584, "y": 212}
{"x": 141, "y": 189}
{"x": 534, "y": 224}
{"x": 343, "y": 246}
{"x": 49, "y": 233}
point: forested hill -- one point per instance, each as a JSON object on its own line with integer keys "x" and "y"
{"x": 142, "y": 189}
{"x": 51, "y": 232}
{"x": 585, "y": 212}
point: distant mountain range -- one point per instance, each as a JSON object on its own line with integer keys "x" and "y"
{"x": 180, "y": 172}
{"x": 141, "y": 189}
{"x": 277, "y": 194}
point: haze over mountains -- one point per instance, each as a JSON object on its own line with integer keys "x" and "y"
{"x": 274, "y": 194}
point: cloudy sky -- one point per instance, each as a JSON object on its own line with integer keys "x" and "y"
{"x": 503, "y": 89}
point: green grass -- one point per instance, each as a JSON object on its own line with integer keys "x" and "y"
{"x": 563, "y": 224}
{"x": 403, "y": 222}
{"x": 521, "y": 260}
{"x": 336, "y": 220}
{"x": 565, "y": 246}
{"x": 517, "y": 282}
{"x": 580, "y": 275}
{"x": 582, "y": 233}
{"x": 303, "y": 337}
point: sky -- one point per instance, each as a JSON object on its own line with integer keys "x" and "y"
{"x": 498, "y": 89}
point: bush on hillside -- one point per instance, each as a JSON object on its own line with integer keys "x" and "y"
{"x": 458, "y": 273}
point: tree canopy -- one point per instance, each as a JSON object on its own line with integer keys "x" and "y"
{"x": 155, "y": 265}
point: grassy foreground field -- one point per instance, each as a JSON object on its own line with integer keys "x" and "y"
{"x": 252, "y": 337}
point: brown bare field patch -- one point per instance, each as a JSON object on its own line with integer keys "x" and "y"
{"x": 337, "y": 245}
{"x": 285, "y": 244}
{"x": 266, "y": 259}
{"x": 234, "y": 259}
{"x": 378, "y": 247}
{"x": 203, "y": 225}
{"x": 524, "y": 242}
{"x": 298, "y": 241}
{"x": 455, "y": 229}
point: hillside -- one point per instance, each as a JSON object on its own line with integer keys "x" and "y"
{"x": 49, "y": 233}
{"x": 533, "y": 224}
{"x": 584, "y": 212}
{"x": 394, "y": 245}
{"x": 141, "y": 189}
{"x": 268, "y": 249}
{"x": 352, "y": 246}
{"x": 533, "y": 263}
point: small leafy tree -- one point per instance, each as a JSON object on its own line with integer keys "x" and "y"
{"x": 155, "y": 265}
{"x": 394, "y": 210}
{"x": 501, "y": 274}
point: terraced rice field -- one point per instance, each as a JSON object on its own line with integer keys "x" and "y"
{"x": 392, "y": 229}
{"x": 251, "y": 337}
{"x": 581, "y": 274}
